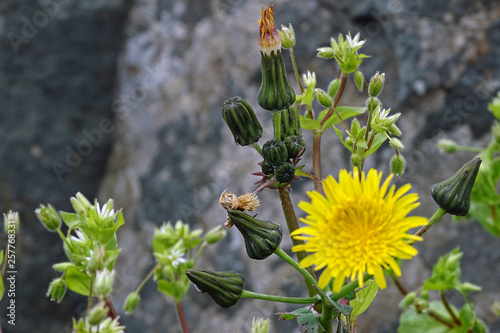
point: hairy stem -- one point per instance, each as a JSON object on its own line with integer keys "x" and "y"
{"x": 317, "y": 160}
{"x": 293, "y": 224}
{"x": 296, "y": 71}
{"x": 434, "y": 218}
{"x": 310, "y": 280}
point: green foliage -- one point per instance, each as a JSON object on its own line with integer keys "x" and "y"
{"x": 308, "y": 320}
{"x": 364, "y": 298}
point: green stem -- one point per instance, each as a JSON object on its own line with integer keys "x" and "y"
{"x": 258, "y": 148}
{"x": 449, "y": 309}
{"x": 348, "y": 288}
{"x": 150, "y": 274}
{"x": 317, "y": 160}
{"x": 434, "y": 218}
{"x": 277, "y": 125}
{"x": 281, "y": 299}
{"x": 305, "y": 273}
{"x": 470, "y": 149}
{"x": 293, "y": 224}
{"x": 326, "y": 319}
{"x": 182, "y": 317}
{"x": 296, "y": 71}
{"x": 199, "y": 252}
{"x": 91, "y": 287}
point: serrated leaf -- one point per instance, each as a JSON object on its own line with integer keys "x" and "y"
{"x": 77, "y": 281}
{"x": 363, "y": 299}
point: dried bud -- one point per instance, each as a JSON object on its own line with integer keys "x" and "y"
{"x": 453, "y": 194}
{"x": 224, "y": 287}
{"x": 262, "y": 238}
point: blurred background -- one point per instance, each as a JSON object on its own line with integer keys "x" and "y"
{"x": 121, "y": 99}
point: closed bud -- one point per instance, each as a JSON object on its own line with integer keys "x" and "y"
{"x": 295, "y": 146}
{"x": 355, "y": 127}
{"x": 356, "y": 161}
{"x": 49, "y": 217}
{"x": 83, "y": 201}
{"x": 267, "y": 168}
{"x": 396, "y": 143}
{"x": 290, "y": 122}
{"x": 323, "y": 98}
{"x": 394, "y": 130}
{"x": 309, "y": 79}
{"x": 97, "y": 259}
{"x": 224, "y": 287}
{"x": 242, "y": 121}
{"x": 397, "y": 165}
{"x": 274, "y": 152}
{"x": 333, "y": 87}
{"x": 287, "y": 37}
{"x": 285, "y": 172}
{"x": 78, "y": 207}
{"x": 447, "y": 146}
{"x": 408, "y": 300}
{"x": 103, "y": 285}
{"x": 97, "y": 314}
{"x": 359, "y": 80}
{"x": 131, "y": 302}
{"x": 325, "y": 52}
{"x": 57, "y": 289}
{"x": 215, "y": 235}
{"x": 376, "y": 84}
{"x": 373, "y": 103}
{"x": 262, "y": 238}
{"x": 453, "y": 194}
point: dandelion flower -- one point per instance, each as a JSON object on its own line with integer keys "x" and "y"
{"x": 357, "y": 227}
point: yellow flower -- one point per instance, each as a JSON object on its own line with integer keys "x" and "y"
{"x": 358, "y": 227}
{"x": 269, "y": 38}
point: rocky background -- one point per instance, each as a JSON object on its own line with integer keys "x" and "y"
{"x": 121, "y": 99}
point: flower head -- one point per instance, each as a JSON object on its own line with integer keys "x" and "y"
{"x": 269, "y": 38}
{"x": 354, "y": 42}
{"x": 358, "y": 227}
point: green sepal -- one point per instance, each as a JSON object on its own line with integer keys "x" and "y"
{"x": 70, "y": 219}
{"x": 275, "y": 92}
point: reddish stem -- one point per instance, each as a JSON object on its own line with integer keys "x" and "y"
{"x": 111, "y": 311}
{"x": 182, "y": 317}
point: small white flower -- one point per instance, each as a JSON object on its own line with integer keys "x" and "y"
{"x": 104, "y": 282}
{"x": 176, "y": 257}
{"x": 354, "y": 42}
{"x": 106, "y": 210}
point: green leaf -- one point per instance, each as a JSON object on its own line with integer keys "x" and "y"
{"x": 446, "y": 272}
{"x": 363, "y": 299}
{"x": 2, "y": 289}
{"x": 377, "y": 142}
{"x": 309, "y": 323}
{"x": 345, "y": 112}
{"x": 1, "y": 257}
{"x": 412, "y": 321}
{"x": 62, "y": 266}
{"x": 70, "y": 219}
{"x": 77, "y": 281}
{"x": 295, "y": 313}
{"x": 339, "y": 134}
{"x": 467, "y": 317}
{"x": 300, "y": 173}
{"x": 309, "y": 124}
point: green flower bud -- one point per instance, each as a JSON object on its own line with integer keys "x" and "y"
{"x": 78, "y": 207}
{"x": 97, "y": 260}
{"x": 274, "y": 152}
{"x": 290, "y": 122}
{"x": 396, "y": 143}
{"x": 373, "y": 103}
{"x": 408, "y": 300}
{"x": 103, "y": 285}
{"x": 376, "y": 84}
{"x": 323, "y": 98}
{"x": 397, "y": 165}
{"x": 11, "y": 222}
{"x": 424, "y": 295}
{"x": 260, "y": 325}
{"x": 359, "y": 80}
{"x": 62, "y": 266}
{"x": 453, "y": 194}
{"x": 356, "y": 160}
{"x": 262, "y": 238}
{"x": 49, "y": 217}
{"x": 287, "y": 36}
{"x": 83, "y": 201}
{"x": 131, "y": 302}
{"x": 285, "y": 172}
{"x": 394, "y": 130}
{"x": 224, "y": 287}
{"x": 216, "y": 234}
{"x": 333, "y": 87}
{"x": 267, "y": 169}
{"x": 97, "y": 314}
{"x": 275, "y": 92}
{"x": 355, "y": 127}
{"x": 242, "y": 121}
{"x": 309, "y": 79}
{"x": 447, "y": 146}
{"x": 57, "y": 289}
{"x": 325, "y": 52}
{"x": 295, "y": 146}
